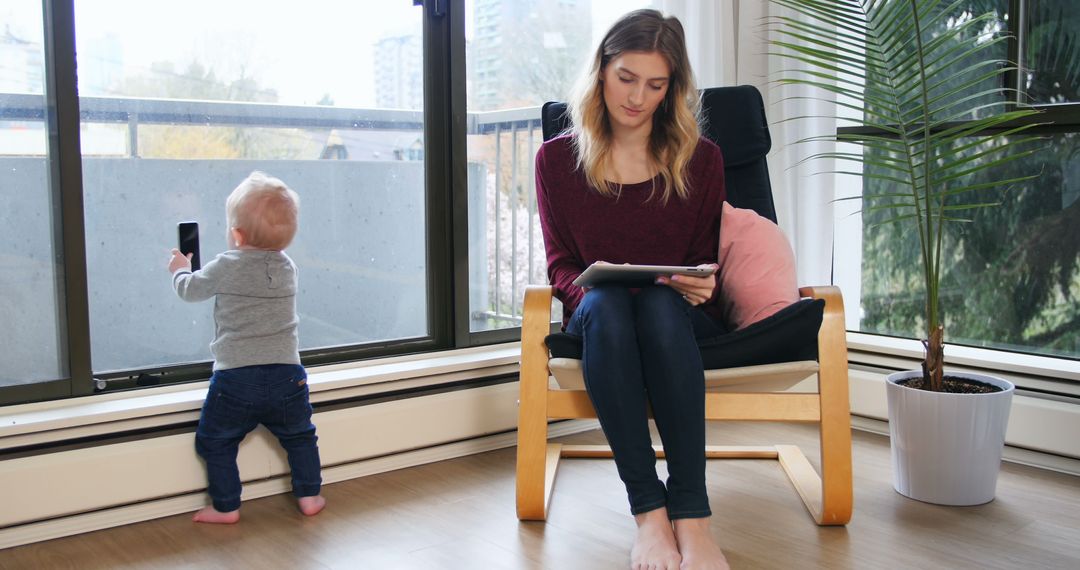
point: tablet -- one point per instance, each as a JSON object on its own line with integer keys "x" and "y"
{"x": 636, "y": 275}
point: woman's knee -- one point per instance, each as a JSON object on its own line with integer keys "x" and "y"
{"x": 608, "y": 304}
{"x": 662, "y": 314}
{"x": 605, "y": 319}
{"x": 660, "y": 298}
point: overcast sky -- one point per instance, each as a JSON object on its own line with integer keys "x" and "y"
{"x": 301, "y": 49}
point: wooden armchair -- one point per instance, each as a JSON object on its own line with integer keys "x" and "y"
{"x": 553, "y": 388}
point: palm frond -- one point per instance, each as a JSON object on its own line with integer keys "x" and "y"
{"x": 946, "y": 154}
{"x": 895, "y": 220}
{"x": 982, "y": 166}
{"x": 923, "y": 83}
{"x": 971, "y": 206}
{"x": 955, "y": 191}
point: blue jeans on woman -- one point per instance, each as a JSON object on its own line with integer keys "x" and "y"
{"x": 639, "y": 350}
{"x": 239, "y": 399}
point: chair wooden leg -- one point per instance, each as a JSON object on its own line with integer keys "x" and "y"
{"x": 837, "y": 496}
{"x": 532, "y": 460}
{"x": 535, "y": 464}
{"x": 802, "y": 475}
{"x": 535, "y": 468}
{"x": 837, "y": 493}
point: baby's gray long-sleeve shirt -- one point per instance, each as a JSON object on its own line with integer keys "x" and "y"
{"x": 254, "y": 307}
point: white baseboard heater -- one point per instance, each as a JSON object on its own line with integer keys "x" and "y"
{"x": 68, "y": 491}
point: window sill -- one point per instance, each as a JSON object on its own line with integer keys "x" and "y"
{"x": 41, "y": 423}
{"x": 1038, "y": 373}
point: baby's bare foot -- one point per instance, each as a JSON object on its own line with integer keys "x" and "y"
{"x": 311, "y": 506}
{"x": 654, "y": 546}
{"x": 213, "y": 516}
{"x": 696, "y": 545}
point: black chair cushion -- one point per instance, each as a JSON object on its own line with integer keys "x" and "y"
{"x": 554, "y": 119}
{"x": 789, "y": 335}
{"x": 743, "y": 136}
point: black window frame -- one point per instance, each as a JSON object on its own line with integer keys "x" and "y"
{"x": 446, "y": 212}
{"x": 1062, "y": 117}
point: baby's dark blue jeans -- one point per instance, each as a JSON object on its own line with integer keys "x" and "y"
{"x": 239, "y": 399}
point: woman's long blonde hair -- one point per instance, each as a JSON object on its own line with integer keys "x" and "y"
{"x": 675, "y": 129}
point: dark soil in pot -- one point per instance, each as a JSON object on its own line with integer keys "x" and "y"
{"x": 953, "y": 385}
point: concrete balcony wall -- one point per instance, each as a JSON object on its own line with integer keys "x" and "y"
{"x": 360, "y": 252}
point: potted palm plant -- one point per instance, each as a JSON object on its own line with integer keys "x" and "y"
{"x": 933, "y": 129}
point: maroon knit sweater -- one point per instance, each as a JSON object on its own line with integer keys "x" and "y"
{"x": 581, "y": 226}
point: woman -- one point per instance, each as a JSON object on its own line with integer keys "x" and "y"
{"x": 633, "y": 182}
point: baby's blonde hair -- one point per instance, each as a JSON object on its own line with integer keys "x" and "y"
{"x": 265, "y": 210}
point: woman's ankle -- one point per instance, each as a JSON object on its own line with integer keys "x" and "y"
{"x": 655, "y": 516}
{"x": 692, "y": 524}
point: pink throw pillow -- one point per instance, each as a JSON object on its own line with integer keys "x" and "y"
{"x": 757, "y": 267}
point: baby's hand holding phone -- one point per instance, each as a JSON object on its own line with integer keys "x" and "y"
{"x": 189, "y": 242}
{"x": 179, "y": 261}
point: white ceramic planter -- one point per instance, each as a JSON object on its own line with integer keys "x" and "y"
{"x": 946, "y": 448}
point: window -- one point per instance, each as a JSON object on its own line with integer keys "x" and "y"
{"x": 552, "y": 40}
{"x": 167, "y": 120}
{"x": 31, "y": 295}
{"x": 175, "y": 116}
{"x": 1013, "y": 275}
{"x": 1050, "y": 52}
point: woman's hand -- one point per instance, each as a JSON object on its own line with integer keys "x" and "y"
{"x": 696, "y": 290}
{"x": 587, "y": 289}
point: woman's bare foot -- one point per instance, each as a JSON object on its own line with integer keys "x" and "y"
{"x": 696, "y": 545}
{"x": 213, "y": 516}
{"x": 311, "y": 506}
{"x": 654, "y": 546}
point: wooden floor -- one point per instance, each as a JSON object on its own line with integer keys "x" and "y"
{"x": 460, "y": 514}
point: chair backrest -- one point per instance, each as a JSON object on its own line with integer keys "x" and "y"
{"x": 734, "y": 119}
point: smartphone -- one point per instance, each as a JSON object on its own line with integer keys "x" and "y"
{"x": 189, "y": 242}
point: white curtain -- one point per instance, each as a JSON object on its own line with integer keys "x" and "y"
{"x": 728, "y": 45}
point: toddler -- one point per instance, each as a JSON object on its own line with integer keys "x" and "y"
{"x": 257, "y": 374}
